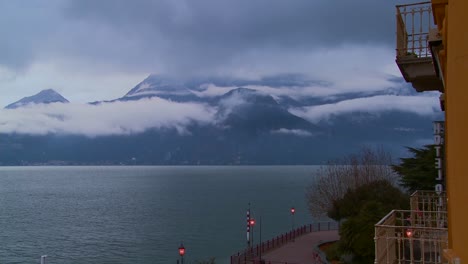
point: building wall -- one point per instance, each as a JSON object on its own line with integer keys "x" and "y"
{"x": 456, "y": 92}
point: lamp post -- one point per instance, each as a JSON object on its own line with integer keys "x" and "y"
{"x": 260, "y": 242}
{"x": 252, "y": 223}
{"x": 248, "y": 227}
{"x": 43, "y": 259}
{"x": 181, "y": 253}
{"x": 293, "y": 211}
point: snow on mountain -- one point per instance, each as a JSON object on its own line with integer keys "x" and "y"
{"x": 43, "y": 97}
{"x": 163, "y": 87}
{"x": 155, "y": 84}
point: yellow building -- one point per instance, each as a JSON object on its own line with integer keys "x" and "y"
{"x": 451, "y": 17}
{"x": 432, "y": 54}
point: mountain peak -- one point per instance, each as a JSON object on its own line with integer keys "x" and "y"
{"x": 43, "y": 97}
{"x": 154, "y": 84}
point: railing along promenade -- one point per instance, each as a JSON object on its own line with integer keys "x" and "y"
{"x": 253, "y": 254}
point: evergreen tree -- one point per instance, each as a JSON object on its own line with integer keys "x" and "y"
{"x": 418, "y": 172}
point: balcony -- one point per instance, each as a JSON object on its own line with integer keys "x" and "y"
{"x": 414, "y": 236}
{"x": 415, "y": 32}
{"x": 411, "y": 237}
{"x": 428, "y": 201}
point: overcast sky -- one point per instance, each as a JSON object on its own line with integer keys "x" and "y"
{"x": 95, "y": 50}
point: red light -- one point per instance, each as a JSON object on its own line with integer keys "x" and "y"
{"x": 293, "y": 210}
{"x": 409, "y": 233}
{"x": 181, "y": 250}
{"x": 252, "y": 222}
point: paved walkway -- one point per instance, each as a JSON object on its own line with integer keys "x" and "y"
{"x": 302, "y": 250}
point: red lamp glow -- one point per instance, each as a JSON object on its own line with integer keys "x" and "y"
{"x": 181, "y": 250}
{"x": 409, "y": 233}
{"x": 252, "y": 222}
{"x": 293, "y": 210}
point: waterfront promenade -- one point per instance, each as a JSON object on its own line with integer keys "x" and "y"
{"x": 298, "y": 246}
{"x": 302, "y": 250}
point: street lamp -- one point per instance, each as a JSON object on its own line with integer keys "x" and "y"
{"x": 252, "y": 223}
{"x": 293, "y": 211}
{"x": 181, "y": 252}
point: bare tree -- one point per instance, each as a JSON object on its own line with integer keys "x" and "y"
{"x": 338, "y": 176}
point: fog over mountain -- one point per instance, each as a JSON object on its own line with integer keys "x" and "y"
{"x": 162, "y": 120}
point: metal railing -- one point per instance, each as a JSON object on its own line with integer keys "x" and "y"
{"x": 405, "y": 236}
{"x": 428, "y": 201}
{"x": 252, "y": 255}
{"x": 413, "y": 22}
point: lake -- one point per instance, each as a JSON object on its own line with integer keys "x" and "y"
{"x": 142, "y": 214}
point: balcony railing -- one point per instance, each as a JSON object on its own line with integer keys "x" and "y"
{"x": 414, "y": 21}
{"x": 428, "y": 201}
{"x": 415, "y": 25}
{"x": 413, "y": 237}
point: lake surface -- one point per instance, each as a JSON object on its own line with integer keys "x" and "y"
{"x": 142, "y": 214}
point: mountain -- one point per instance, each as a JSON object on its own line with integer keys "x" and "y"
{"x": 248, "y": 111}
{"x": 164, "y": 87}
{"x": 189, "y": 89}
{"x": 43, "y": 97}
{"x": 249, "y": 127}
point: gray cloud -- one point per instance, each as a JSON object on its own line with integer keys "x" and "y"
{"x": 78, "y": 46}
{"x": 21, "y": 27}
{"x": 189, "y": 36}
{"x": 181, "y": 35}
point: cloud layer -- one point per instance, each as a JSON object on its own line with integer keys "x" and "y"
{"x": 130, "y": 117}
{"x": 421, "y": 105}
{"x": 119, "y": 118}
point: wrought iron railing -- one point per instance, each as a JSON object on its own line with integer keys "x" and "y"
{"x": 413, "y": 22}
{"x": 252, "y": 255}
{"x": 405, "y": 236}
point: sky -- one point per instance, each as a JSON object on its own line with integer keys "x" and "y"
{"x": 91, "y": 50}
